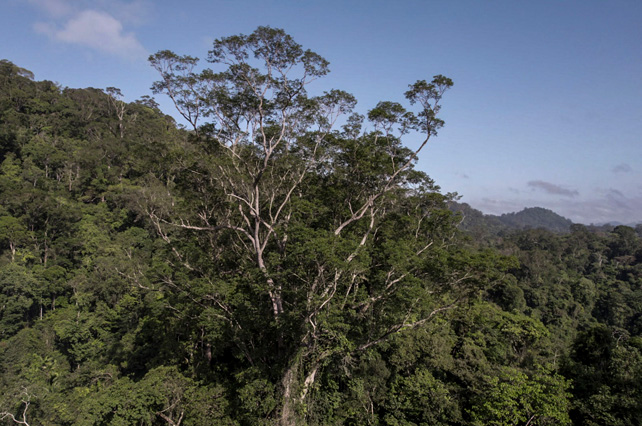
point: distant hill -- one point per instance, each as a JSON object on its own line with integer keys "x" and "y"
{"x": 478, "y": 224}
{"x": 536, "y": 217}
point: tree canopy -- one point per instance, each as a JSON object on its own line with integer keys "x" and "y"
{"x": 283, "y": 262}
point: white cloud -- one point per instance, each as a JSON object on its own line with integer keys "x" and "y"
{"x": 96, "y": 24}
{"x": 96, "y": 30}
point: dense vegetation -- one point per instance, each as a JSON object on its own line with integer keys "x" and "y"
{"x": 264, "y": 267}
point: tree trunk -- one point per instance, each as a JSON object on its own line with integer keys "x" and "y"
{"x": 289, "y": 382}
{"x": 296, "y": 391}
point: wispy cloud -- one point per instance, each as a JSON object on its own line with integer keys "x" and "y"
{"x": 553, "y": 189}
{"x": 622, "y": 168}
{"x": 607, "y": 206}
{"x": 497, "y": 206}
{"x": 130, "y": 12}
{"x": 618, "y": 200}
{"x": 96, "y": 25}
{"x": 55, "y": 8}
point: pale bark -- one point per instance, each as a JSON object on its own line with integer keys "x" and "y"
{"x": 22, "y": 419}
{"x": 296, "y": 388}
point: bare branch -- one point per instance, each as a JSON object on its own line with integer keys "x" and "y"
{"x": 26, "y": 400}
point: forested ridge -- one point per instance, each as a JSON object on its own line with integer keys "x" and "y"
{"x": 483, "y": 225}
{"x": 283, "y": 262}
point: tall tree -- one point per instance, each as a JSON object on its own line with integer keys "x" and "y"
{"x": 349, "y": 242}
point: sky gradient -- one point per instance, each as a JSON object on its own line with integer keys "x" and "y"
{"x": 547, "y": 104}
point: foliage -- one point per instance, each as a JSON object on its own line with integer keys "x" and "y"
{"x": 266, "y": 267}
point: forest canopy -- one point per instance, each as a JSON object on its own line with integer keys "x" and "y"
{"x": 282, "y": 261}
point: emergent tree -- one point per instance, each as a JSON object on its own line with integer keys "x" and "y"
{"x": 313, "y": 244}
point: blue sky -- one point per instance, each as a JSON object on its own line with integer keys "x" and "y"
{"x": 547, "y": 104}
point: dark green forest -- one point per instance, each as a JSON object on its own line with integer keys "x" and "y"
{"x": 281, "y": 261}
